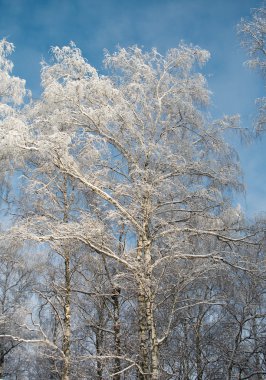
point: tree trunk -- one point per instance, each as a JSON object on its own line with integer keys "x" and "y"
{"x": 153, "y": 341}
{"x": 67, "y": 300}
{"x": 143, "y": 337}
{"x": 235, "y": 348}
{"x": 257, "y": 355}
{"x": 198, "y": 343}
{"x": 99, "y": 342}
{"x": 143, "y": 329}
{"x": 147, "y": 328}
{"x": 117, "y": 335}
{"x": 185, "y": 359}
{"x": 67, "y": 320}
{"x": 198, "y": 354}
{"x": 2, "y": 359}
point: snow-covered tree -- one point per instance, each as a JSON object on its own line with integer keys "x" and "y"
{"x": 12, "y": 94}
{"x": 253, "y": 38}
{"x": 148, "y": 179}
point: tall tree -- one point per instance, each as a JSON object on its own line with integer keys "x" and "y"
{"x": 139, "y": 140}
{"x": 157, "y": 175}
{"x": 253, "y": 38}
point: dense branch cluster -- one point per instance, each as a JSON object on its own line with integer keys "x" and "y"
{"x": 132, "y": 262}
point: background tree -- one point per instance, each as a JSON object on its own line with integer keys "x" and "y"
{"x": 16, "y": 282}
{"x": 253, "y": 33}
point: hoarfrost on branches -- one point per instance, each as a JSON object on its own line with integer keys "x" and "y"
{"x": 127, "y": 190}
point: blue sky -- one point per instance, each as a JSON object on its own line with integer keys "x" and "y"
{"x": 36, "y": 25}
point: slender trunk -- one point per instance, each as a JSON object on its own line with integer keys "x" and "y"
{"x": 198, "y": 354}
{"x": 143, "y": 335}
{"x": 117, "y": 335}
{"x": 99, "y": 335}
{"x": 147, "y": 328}
{"x": 67, "y": 320}
{"x": 153, "y": 341}
{"x": 116, "y": 310}
{"x": 235, "y": 348}
{"x": 149, "y": 341}
{"x": 99, "y": 339}
{"x": 185, "y": 359}
{"x": 143, "y": 330}
{"x": 198, "y": 343}
{"x": 2, "y": 359}
{"x": 67, "y": 300}
{"x": 257, "y": 355}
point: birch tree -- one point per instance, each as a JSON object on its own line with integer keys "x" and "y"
{"x": 159, "y": 175}
{"x": 16, "y": 282}
{"x": 12, "y": 96}
{"x": 140, "y": 141}
{"x": 253, "y": 34}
